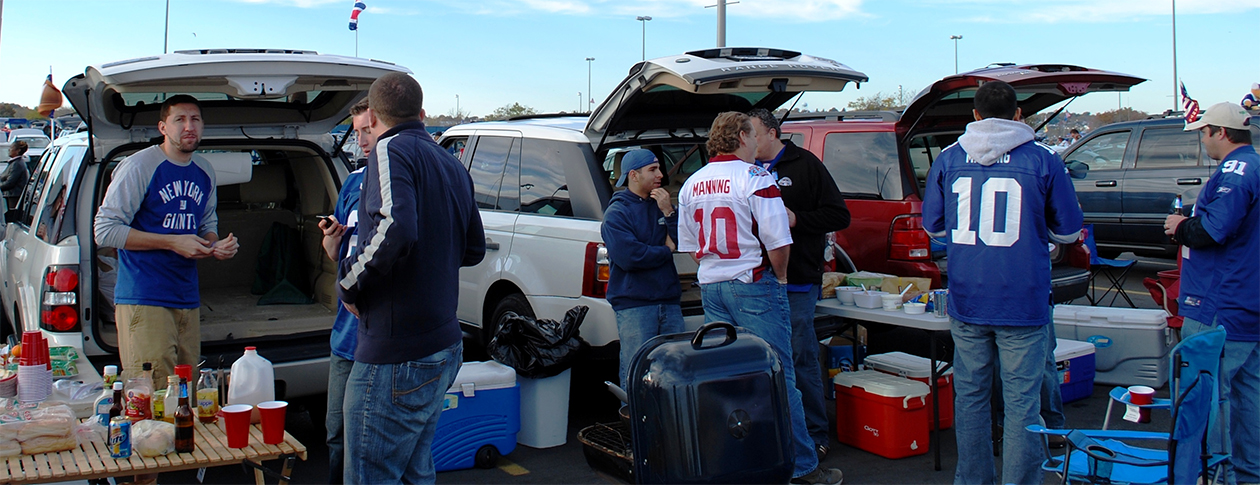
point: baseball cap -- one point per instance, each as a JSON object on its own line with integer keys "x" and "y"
{"x": 1225, "y": 115}
{"x": 634, "y": 160}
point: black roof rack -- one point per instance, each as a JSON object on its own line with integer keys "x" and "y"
{"x": 847, "y": 116}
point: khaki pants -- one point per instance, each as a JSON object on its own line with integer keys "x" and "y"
{"x": 164, "y": 336}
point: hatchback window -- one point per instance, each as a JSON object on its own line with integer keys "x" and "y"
{"x": 1104, "y": 152}
{"x": 796, "y": 138}
{"x": 1168, "y": 148}
{"x": 864, "y": 165}
{"x": 486, "y": 169}
{"x": 36, "y": 189}
{"x": 542, "y": 182}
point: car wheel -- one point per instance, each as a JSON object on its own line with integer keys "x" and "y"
{"x": 514, "y": 303}
{"x": 487, "y": 457}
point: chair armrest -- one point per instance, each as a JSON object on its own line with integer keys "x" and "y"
{"x": 1121, "y": 394}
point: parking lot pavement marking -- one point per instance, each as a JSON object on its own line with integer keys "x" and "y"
{"x": 512, "y": 468}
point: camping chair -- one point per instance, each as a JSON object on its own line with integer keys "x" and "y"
{"x": 1165, "y": 289}
{"x": 1099, "y": 456}
{"x": 1116, "y": 271}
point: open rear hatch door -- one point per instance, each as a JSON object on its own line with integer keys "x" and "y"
{"x": 257, "y": 93}
{"x": 948, "y": 103}
{"x": 679, "y": 96}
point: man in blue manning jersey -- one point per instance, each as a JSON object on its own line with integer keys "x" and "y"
{"x": 1001, "y": 198}
{"x": 1220, "y": 276}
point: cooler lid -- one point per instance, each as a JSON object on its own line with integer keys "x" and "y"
{"x": 881, "y": 384}
{"x": 484, "y": 376}
{"x": 1099, "y": 316}
{"x": 1070, "y": 349}
{"x": 904, "y": 364}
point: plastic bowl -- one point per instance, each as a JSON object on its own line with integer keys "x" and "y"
{"x": 845, "y": 294}
{"x": 912, "y": 308}
{"x": 869, "y": 299}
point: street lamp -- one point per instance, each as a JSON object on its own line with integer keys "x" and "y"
{"x": 1176, "y": 104}
{"x": 643, "y": 19}
{"x": 955, "y": 38}
{"x": 579, "y": 110}
{"x": 458, "y": 115}
{"x": 590, "y": 100}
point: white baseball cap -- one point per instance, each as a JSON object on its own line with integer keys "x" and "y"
{"x": 1226, "y": 115}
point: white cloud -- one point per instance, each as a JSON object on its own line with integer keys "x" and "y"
{"x": 1092, "y": 11}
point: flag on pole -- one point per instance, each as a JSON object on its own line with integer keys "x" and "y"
{"x": 359, "y": 7}
{"x": 50, "y": 99}
{"x": 1192, "y": 106}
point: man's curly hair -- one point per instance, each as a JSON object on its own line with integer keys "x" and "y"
{"x": 724, "y": 134}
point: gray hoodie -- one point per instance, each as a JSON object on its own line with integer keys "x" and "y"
{"x": 987, "y": 140}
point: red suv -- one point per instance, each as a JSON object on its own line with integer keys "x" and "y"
{"x": 880, "y": 160}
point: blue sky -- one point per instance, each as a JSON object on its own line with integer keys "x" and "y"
{"x": 495, "y": 52}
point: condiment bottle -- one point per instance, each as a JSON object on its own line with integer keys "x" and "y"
{"x": 116, "y": 409}
{"x": 110, "y": 375}
{"x": 184, "y": 442}
{"x": 140, "y": 395}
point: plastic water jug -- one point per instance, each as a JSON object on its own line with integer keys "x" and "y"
{"x": 252, "y": 381}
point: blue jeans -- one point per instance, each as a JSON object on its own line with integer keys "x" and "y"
{"x": 977, "y": 351}
{"x": 809, "y": 379}
{"x": 391, "y": 414}
{"x": 635, "y": 326}
{"x": 762, "y": 308}
{"x": 338, "y": 372}
{"x": 1051, "y": 392}
{"x": 1240, "y": 385}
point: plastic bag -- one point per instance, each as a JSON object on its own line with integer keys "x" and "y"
{"x": 152, "y": 438}
{"x": 538, "y": 348}
{"x": 91, "y": 431}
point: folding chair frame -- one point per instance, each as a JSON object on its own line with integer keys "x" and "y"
{"x": 1117, "y": 283}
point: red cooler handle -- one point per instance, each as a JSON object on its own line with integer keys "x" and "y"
{"x": 698, "y": 340}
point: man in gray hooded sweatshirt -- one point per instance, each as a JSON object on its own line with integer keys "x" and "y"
{"x": 1000, "y": 198}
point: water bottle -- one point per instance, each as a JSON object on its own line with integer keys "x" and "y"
{"x": 253, "y": 381}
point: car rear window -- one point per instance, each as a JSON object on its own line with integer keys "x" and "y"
{"x": 1168, "y": 148}
{"x": 864, "y": 165}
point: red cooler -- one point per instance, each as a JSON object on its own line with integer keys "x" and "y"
{"x": 881, "y": 413}
{"x": 919, "y": 369}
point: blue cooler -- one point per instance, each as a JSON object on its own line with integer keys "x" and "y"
{"x": 480, "y": 417}
{"x": 1075, "y": 362}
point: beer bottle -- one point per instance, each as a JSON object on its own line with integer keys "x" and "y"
{"x": 183, "y": 421}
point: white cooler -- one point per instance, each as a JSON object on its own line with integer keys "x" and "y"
{"x": 1130, "y": 345}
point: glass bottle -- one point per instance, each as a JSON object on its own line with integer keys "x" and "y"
{"x": 207, "y": 397}
{"x": 171, "y": 400}
{"x": 183, "y": 421}
{"x": 116, "y": 409}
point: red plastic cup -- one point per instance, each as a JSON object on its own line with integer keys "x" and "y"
{"x": 236, "y": 424}
{"x": 1140, "y": 395}
{"x": 272, "y": 415}
{"x": 185, "y": 371}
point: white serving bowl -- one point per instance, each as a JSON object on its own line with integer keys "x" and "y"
{"x": 914, "y": 308}
{"x": 869, "y": 299}
{"x": 845, "y": 294}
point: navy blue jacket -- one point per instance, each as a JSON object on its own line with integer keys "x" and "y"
{"x": 642, "y": 271}
{"x": 418, "y": 224}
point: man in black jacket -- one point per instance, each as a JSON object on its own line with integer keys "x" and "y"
{"x": 15, "y": 177}
{"x": 815, "y": 208}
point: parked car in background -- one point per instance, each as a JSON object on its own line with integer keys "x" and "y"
{"x": 542, "y": 183}
{"x": 880, "y": 160}
{"x": 36, "y": 141}
{"x": 1127, "y": 175}
{"x": 268, "y": 114}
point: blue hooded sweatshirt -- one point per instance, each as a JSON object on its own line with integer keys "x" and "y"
{"x": 642, "y": 271}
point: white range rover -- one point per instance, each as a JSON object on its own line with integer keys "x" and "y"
{"x": 267, "y": 115}
{"x": 542, "y": 183}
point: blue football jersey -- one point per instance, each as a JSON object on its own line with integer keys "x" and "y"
{"x": 998, "y": 220}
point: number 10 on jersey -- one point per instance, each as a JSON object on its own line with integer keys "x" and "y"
{"x": 988, "y": 208}
{"x": 726, "y": 217}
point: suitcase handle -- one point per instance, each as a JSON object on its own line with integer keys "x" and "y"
{"x": 698, "y": 339}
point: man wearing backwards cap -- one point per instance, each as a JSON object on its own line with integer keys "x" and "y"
{"x": 639, "y": 230}
{"x": 1220, "y": 275}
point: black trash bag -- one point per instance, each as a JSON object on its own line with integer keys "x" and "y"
{"x": 538, "y": 348}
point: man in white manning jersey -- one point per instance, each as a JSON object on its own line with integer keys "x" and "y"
{"x": 734, "y": 223}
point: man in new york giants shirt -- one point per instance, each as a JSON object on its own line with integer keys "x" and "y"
{"x": 1000, "y": 198}
{"x": 734, "y": 222}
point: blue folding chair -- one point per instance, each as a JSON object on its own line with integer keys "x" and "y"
{"x": 1099, "y": 456}
{"x": 1115, "y": 270}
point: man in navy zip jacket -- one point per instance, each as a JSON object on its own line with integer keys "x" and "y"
{"x": 639, "y": 230}
{"x": 418, "y": 225}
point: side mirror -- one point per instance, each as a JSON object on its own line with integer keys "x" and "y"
{"x": 1077, "y": 169}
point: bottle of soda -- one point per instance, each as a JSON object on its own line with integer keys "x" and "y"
{"x": 1178, "y": 209}
{"x": 184, "y": 421}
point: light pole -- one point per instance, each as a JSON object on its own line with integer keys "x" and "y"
{"x": 955, "y": 38}
{"x": 1176, "y": 103}
{"x": 590, "y": 100}
{"x": 643, "y": 19}
{"x": 579, "y": 110}
{"x": 458, "y": 115}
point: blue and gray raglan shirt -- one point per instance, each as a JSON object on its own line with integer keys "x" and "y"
{"x": 153, "y": 194}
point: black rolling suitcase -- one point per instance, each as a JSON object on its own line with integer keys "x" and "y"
{"x": 709, "y": 407}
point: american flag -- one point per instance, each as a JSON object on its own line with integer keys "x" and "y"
{"x": 1192, "y": 106}
{"x": 359, "y": 7}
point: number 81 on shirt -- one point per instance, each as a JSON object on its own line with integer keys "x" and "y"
{"x": 988, "y": 208}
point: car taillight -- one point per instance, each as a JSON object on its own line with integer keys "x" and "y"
{"x": 595, "y": 273}
{"x": 907, "y": 241}
{"x": 59, "y": 299}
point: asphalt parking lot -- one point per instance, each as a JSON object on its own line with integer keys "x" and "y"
{"x": 590, "y": 403}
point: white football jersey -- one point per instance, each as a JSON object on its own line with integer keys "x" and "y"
{"x": 730, "y": 212}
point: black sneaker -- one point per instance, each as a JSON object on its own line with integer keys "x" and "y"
{"x": 820, "y": 475}
{"x": 822, "y": 451}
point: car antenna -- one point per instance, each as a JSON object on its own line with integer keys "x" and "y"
{"x": 1056, "y": 113}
